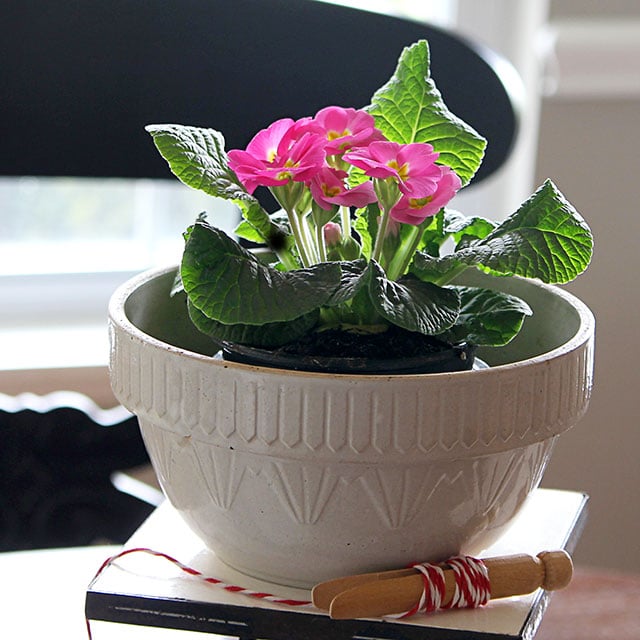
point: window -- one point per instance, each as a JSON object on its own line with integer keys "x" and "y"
{"x": 65, "y": 246}
{"x": 61, "y": 235}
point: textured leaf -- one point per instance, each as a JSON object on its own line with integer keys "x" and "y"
{"x": 489, "y": 318}
{"x": 464, "y": 229}
{"x": 198, "y": 158}
{"x": 546, "y": 239}
{"x": 432, "y": 268}
{"x": 230, "y": 285}
{"x": 353, "y": 278}
{"x": 268, "y": 335}
{"x": 413, "y": 304}
{"x": 409, "y": 108}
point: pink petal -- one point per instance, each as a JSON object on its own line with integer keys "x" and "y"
{"x": 264, "y": 144}
{"x": 411, "y": 211}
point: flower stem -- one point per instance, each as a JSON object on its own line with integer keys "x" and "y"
{"x": 320, "y": 244}
{"x": 289, "y": 196}
{"x": 300, "y": 238}
{"x": 404, "y": 254}
{"x": 388, "y": 194}
{"x": 345, "y": 218}
{"x": 310, "y": 240}
{"x": 380, "y": 236}
{"x": 288, "y": 260}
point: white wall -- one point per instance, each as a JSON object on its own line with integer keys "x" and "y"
{"x": 589, "y": 141}
{"x": 591, "y": 150}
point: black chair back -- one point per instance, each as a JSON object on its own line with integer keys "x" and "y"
{"x": 79, "y": 80}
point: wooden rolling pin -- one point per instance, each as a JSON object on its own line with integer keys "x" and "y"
{"x": 372, "y": 595}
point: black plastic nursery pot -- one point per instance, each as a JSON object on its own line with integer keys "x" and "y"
{"x": 440, "y": 358}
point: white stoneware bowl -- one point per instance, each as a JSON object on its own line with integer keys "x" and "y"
{"x": 298, "y": 477}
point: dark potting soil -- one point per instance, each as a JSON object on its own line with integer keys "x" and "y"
{"x": 390, "y": 344}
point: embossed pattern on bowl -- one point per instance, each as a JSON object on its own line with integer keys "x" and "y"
{"x": 298, "y": 477}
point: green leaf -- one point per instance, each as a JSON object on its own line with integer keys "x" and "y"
{"x": 409, "y": 108}
{"x": 464, "y": 229}
{"x": 260, "y": 227}
{"x": 229, "y": 284}
{"x": 430, "y": 268}
{"x": 487, "y": 317}
{"x": 351, "y": 281}
{"x": 268, "y": 335}
{"x": 433, "y": 236}
{"x": 248, "y": 232}
{"x": 264, "y": 227}
{"x": 545, "y": 239}
{"x": 198, "y": 158}
{"x": 412, "y": 304}
{"x": 366, "y": 226}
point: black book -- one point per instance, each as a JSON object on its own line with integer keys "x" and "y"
{"x": 142, "y": 589}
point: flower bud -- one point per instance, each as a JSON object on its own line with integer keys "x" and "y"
{"x": 332, "y": 234}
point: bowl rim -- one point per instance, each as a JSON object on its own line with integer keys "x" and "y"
{"x": 119, "y": 320}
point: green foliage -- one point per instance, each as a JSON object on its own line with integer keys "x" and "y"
{"x": 412, "y": 304}
{"x": 234, "y": 296}
{"x": 409, "y": 108}
{"x": 270, "y": 334}
{"x": 546, "y": 238}
{"x": 197, "y": 157}
{"x": 230, "y": 285}
{"x": 487, "y": 317}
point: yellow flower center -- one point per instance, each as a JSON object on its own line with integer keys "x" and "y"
{"x": 403, "y": 171}
{"x": 334, "y": 135}
{"x": 330, "y": 192}
{"x": 287, "y": 175}
{"x": 418, "y": 203}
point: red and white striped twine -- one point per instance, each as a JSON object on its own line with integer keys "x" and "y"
{"x": 198, "y": 574}
{"x": 472, "y": 588}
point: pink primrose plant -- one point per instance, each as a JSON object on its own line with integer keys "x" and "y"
{"x": 328, "y": 189}
{"x": 283, "y": 152}
{"x": 364, "y": 238}
{"x": 346, "y": 128}
{"x": 414, "y": 211}
{"x": 305, "y": 163}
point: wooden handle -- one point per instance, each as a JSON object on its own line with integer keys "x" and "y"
{"x": 390, "y": 592}
{"x": 323, "y": 594}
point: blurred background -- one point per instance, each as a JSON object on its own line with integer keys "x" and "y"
{"x": 66, "y": 244}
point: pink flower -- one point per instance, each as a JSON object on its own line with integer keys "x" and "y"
{"x": 282, "y": 152}
{"x": 346, "y": 128}
{"x": 411, "y": 165}
{"x": 328, "y": 190}
{"x": 415, "y": 210}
